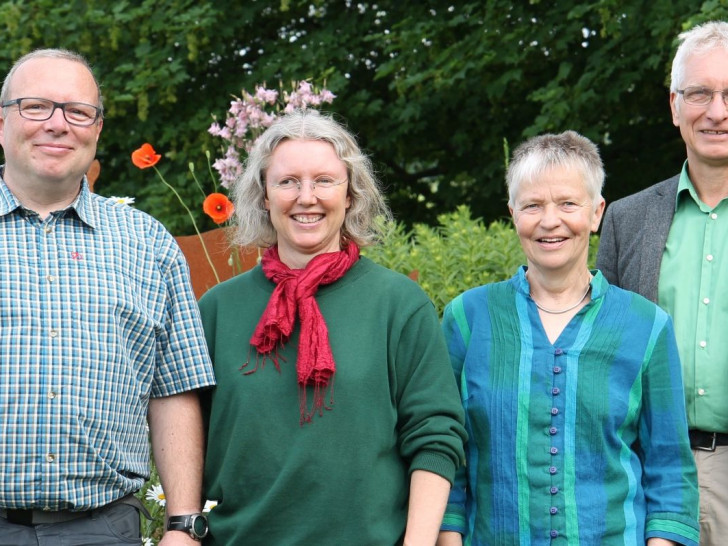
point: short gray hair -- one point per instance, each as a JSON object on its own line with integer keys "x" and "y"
{"x": 567, "y": 149}
{"x": 698, "y": 40}
{"x": 50, "y": 54}
{"x": 254, "y": 227}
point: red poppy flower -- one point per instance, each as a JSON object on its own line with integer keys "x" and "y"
{"x": 218, "y": 207}
{"x": 145, "y": 156}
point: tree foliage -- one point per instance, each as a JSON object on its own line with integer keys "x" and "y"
{"x": 437, "y": 91}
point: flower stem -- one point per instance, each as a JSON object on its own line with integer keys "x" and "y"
{"x": 192, "y": 172}
{"x": 209, "y": 168}
{"x": 194, "y": 224}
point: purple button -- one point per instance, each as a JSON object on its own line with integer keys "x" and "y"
{"x": 554, "y": 533}
{"x": 558, "y": 351}
{"x": 553, "y": 510}
{"x": 553, "y": 470}
{"x": 554, "y": 411}
{"x": 553, "y": 430}
{"x": 554, "y": 450}
{"x": 554, "y": 490}
{"x": 557, "y": 369}
{"x": 555, "y": 390}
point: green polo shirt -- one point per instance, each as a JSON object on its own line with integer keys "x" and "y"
{"x": 692, "y": 288}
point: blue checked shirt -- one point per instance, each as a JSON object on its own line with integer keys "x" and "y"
{"x": 96, "y": 316}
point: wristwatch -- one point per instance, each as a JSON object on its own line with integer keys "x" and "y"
{"x": 193, "y": 524}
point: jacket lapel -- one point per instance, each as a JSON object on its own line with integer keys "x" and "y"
{"x": 659, "y": 217}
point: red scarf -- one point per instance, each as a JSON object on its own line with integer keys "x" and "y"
{"x": 295, "y": 291}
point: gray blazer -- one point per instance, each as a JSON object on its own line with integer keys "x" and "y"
{"x": 634, "y": 235}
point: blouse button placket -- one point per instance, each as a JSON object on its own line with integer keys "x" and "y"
{"x": 553, "y": 431}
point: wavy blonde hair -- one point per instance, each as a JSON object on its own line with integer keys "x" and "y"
{"x": 254, "y": 227}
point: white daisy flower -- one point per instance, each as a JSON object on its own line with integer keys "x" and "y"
{"x": 155, "y": 493}
{"x": 122, "y": 200}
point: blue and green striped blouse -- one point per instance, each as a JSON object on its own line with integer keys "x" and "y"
{"x": 583, "y": 441}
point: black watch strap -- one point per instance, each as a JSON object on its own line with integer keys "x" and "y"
{"x": 193, "y": 524}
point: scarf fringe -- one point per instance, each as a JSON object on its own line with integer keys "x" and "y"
{"x": 319, "y": 401}
{"x": 260, "y": 359}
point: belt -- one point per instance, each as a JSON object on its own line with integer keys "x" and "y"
{"x": 707, "y": 441}
{"x": 37, "y": 517}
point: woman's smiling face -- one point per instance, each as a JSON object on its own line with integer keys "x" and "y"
{"x": 306, "y": 225}
{"x": 554, "y": 217}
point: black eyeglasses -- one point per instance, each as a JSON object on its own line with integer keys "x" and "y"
{"x": 75, "y": 113}
{"x": 701, "y": 96}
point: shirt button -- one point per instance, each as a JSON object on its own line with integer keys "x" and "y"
{"x": 47, "y": 229}
{"x": 51, "y": 395}
{"x": 554, "y": 490}
{"x": 709, "y": 257}
{"x": 54, "y": 333}
{"x": 554, "y": 533}
{"x": 706, "y": 301}
{"x": 554, "y": 411}
{"x": 703, "y": 344}
{"x": 701, "y": 392}
{"x": 557, "y": 369}
{"x": 553, "y": 430}
{"x": 714, "y": 216}
{"x": 559, "y": 352}
{"x": 553, "y": 470}
{"x": 51, "y": 457}
{"x": 554, "y": 450}
{"x": 553, "y": 510}
{"x": 555, "y": 390}
{"x": 50, "y": 278}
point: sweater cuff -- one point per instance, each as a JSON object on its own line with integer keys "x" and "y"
{"x": 434, "y": 462}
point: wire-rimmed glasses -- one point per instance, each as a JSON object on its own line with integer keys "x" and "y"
{"x": 701, "y": 96}
{"x": 323, "y": 187}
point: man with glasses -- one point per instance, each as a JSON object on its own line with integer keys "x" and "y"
{"x": 670, "y": 243}
{"x": 99, "y": 332}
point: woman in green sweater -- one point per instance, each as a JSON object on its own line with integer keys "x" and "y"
{"x": 335, "y": 419}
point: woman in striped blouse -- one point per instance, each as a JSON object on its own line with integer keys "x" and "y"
{"x": 572, "y": 387}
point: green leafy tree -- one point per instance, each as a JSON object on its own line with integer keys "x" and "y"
{"x": 437, "y": 91}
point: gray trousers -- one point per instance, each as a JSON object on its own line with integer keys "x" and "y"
{"x": 116, "y": 525}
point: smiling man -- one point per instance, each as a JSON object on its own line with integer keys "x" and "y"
{"x": 670, "y": 243}
{"x": 99, "y": 332}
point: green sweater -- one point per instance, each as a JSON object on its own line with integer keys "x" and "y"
{"x": 343, "y": 478}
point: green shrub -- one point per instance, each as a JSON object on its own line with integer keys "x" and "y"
{"x": 459, "y": 253}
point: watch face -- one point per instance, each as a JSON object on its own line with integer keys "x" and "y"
{"x": 199, "y": 526}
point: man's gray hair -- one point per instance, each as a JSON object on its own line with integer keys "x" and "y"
{"x": 50, "y": 54}
{"x": 697, "y": 41}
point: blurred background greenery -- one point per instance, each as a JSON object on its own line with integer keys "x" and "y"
{"x": 437, "y": 91}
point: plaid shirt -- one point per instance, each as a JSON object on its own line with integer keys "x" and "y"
{"x": 96, "y": 316}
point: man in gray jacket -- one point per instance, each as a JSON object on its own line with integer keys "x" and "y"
{"x": 669, "y": 242}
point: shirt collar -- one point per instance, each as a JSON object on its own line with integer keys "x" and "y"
{"x": 599, "y": 283}
{"x": 8, "y": 202}
{"x": 82, "y": 205}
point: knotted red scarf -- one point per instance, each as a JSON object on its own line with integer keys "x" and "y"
{"x": 295, "y": 291}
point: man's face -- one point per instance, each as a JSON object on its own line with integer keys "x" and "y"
{"x": 704, "y": 128}
{"x": 51, "y": 151}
